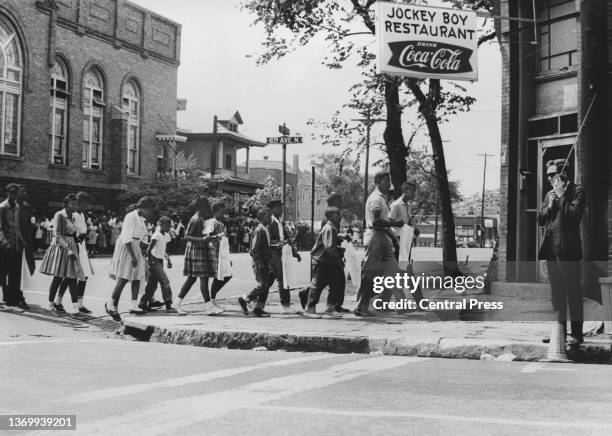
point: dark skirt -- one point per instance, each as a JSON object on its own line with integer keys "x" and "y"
{"x": 197, "y": 260}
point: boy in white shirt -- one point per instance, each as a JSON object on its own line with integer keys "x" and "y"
{"x": 155, "y": 255}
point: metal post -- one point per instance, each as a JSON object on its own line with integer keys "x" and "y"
{"x": 312, "y": 207}
{"x": 284, "y": 180}
{"x": 365, "y": 181}
{"x": 482, "y": 201}
{"x": 368, "y": 121}
{"x": 312, "y": 211}
{"x": 173, "y": 147}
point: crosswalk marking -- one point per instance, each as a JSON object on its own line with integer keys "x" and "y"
{"x": 190, "y": 379}
{"x": 50, "y": 341}
{"x": 436, "y": 417}
{"x": 168, "y": 416}
{"x": 539, "y": 366}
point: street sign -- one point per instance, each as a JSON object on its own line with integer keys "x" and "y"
{"x": 284, "y": 140}
{"x": 426, "y": 41}
{"x": 284, "y": 130}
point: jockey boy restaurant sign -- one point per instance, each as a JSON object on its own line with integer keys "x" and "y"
{"x": 426, "y": 42}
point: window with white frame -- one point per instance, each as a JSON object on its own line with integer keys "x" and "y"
{"x": 131, "y": 105}
{"x": 58, "y": 116}
{"x": 93, "y": 119}
{"x": 11, "y": 64}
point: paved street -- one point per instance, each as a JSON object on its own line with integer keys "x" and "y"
{"x": 100, "y": 285}
{"x": 122, "y": 387}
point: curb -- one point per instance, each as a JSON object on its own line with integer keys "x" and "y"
{"x": 429, "y": 346}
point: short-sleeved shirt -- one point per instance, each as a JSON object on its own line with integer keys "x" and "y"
{"x": 400, "y": 211}
{"x": 134, "y": 227}
{"x": 159, "y": 249}
{"x": 376, "y": 201}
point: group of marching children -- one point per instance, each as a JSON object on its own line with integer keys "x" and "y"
{"x": 271, "y": 254}
{"x": 207, "y": 255}
{"x": 138, "y": 256}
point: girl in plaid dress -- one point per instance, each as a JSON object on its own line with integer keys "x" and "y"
{"x": 197, "y": 259}
{"x": 217, "y": 232}
{"x": 62, "y": 257}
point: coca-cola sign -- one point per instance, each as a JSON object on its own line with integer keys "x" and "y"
{"x": 430, "y": 57}
{"x": 426, "y": 41}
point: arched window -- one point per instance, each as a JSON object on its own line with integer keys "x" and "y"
{"x": 11, "y": 63}
{"x": 131, "y": 105}
{"x": 93, "y": 120}
{"x": 58, "y": 125}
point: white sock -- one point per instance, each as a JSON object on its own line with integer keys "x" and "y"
{"x": 75, "y": 306}
{"x": 50, "y": 305}
{"x": 58, "y": 299}
{"x": 135, "y": 305}
{"x": 81, "y": 302}
{"x": 179, "y": 301}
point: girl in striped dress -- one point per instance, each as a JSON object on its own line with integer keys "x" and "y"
{"x": 197, "y": 260}
{"x": 128, "y": 264}
{"x": 61, "y": 259}
{"x": 218, "y": 249}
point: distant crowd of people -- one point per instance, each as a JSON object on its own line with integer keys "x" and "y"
{"x": 104, "y": 230}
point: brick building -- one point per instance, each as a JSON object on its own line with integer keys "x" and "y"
{"x": 554, "y": 69}
{"x": 88, "y": 92}
{"x": 305, "y": 200}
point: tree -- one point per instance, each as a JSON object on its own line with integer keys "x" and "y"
{"x": 270, "y": 191}
{"x": 293, "y": 23}
{"x": 187, "y": 164}
{"x": 175, "y": 196}
{"x": 473, "y": 203}
{"x": 337, "y": 174}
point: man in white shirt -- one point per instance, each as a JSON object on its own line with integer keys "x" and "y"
{"x": 379, "y": 255}
{"x": 401, "y": 211}
{"x": 400, "y": 208}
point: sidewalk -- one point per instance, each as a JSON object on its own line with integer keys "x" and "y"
{"x": 427, "y": 334}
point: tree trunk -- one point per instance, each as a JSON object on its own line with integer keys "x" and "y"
{"x": 449, "y": 247}
{"x": 394, "y": 138}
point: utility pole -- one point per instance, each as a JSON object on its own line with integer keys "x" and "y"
{"x": 482, "y": 220}
{"x": 215, "y": 148}
{"x": 284, "y": 140}
{"x": 368, "y": 121}
{"x": 285, "y": 133}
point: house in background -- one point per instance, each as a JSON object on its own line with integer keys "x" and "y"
{"x": 214, "y": 142}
